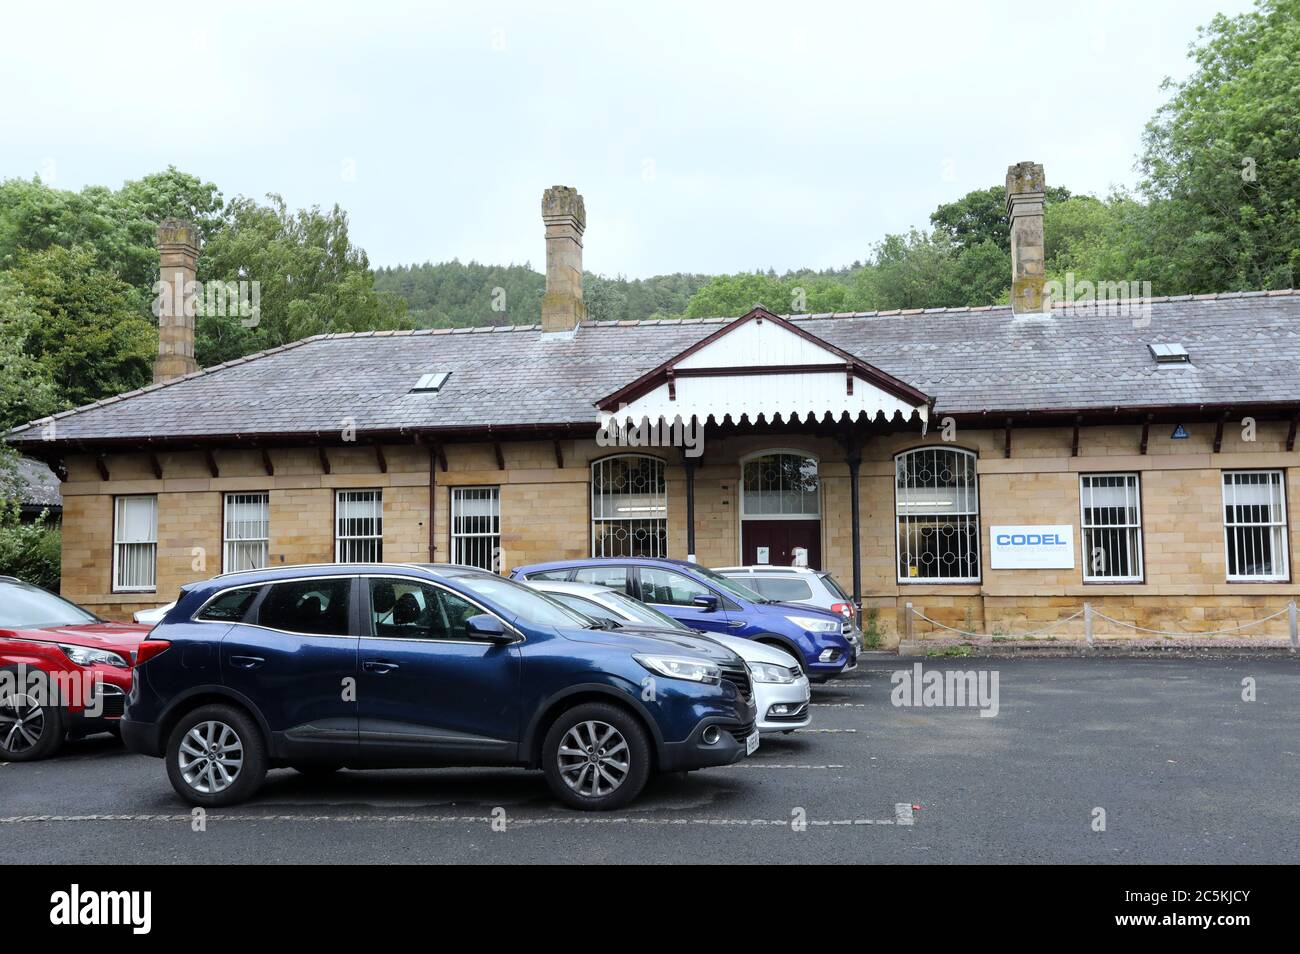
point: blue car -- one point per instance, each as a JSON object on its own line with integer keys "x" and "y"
{"x": 708, "y": 601}
{"x": 382, "y": 666}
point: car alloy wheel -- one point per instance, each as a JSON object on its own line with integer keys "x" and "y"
{"x": 210, "y": 757}
{"x": 594, "y": 759}
{"x": 22, "y": 723}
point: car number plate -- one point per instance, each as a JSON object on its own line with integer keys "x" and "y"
{"x": 751, "y": 743}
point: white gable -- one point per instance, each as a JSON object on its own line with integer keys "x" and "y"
{"x": 757, "y": 343}
{"x": 789, "y": 395}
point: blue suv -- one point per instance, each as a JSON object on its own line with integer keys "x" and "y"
{"x": 382, "y": 666}
{"x": 709, "y": 601}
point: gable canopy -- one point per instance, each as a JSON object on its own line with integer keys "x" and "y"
{"x": 763, "y": 366}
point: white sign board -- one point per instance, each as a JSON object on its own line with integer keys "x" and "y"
{"x": 762, "y": 555}
{"x": 1044, "y": 547}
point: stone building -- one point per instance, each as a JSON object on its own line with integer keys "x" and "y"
{"x": 996, "y": 467}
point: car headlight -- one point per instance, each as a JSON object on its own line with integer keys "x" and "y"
{"x": 770, "y": 672}
{"x": 815, "y": 624}
{"x": 680, "y": 667}
{"x": 85, "y": 656}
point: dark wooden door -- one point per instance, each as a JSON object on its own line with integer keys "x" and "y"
{"x": 781, "y": 537}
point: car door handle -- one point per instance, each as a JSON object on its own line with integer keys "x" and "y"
{"x": 246, "y": 662}
{"x": 736, "y": 624}
{"x": 379, "y": 666}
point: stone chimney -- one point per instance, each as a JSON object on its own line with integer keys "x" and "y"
{"x": 1026, "y": 187}
{"x": 178, "y": 253}
{"x": 566, "y": 220}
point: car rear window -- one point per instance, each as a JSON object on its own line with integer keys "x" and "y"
{"x": 230, "y": 606}
{"x": 781, "y": 588}
{"x": 834, "y": 586}
{"x": 316, "y": 606}
{"x": 615, "y": 577}
{"x": 549, "y": 575}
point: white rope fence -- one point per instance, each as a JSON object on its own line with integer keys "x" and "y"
{"x": 1089, "y": 615}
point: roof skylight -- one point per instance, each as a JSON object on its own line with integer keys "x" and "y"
{"x": 431, "y": 383}
{"x": 1170, "y": 353}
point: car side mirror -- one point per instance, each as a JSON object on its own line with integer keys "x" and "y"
{"x": 708, "y": 604}
{"x": 487, "y": 627}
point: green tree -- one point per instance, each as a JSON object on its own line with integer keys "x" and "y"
{"x": 27, "y": 391}
{"x": 311, "y": 280}
{"x": 118, "y": 227}
{"x": 1221, "y": 159}
{"x": 87, "y": 328}
{"x": 981, "y": 216}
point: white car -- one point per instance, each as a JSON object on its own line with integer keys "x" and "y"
{"x": 153, "y": 616}
{"x": 781, "y": 690}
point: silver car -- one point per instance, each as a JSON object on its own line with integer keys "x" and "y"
{"x": 799, "y": 584}
{"x": 781, "y": 689}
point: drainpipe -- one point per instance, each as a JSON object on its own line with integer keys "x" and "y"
{"x": 689, "y": 465}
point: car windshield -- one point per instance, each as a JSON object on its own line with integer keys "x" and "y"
{"x": 519, "y": 602}
{"x": 640, "y": 612}
{"x": 731, "y": 586}
{"x": 29, "y": 607}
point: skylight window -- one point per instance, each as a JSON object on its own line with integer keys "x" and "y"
{"x": 1170, "y": 353}
{"x": 431, "y": 383}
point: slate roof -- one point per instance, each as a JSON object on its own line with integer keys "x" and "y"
{"x": 32, "y": 484}
{"x": 1245, "y": 349}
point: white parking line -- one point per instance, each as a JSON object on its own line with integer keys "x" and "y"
{"x": 898, "y": 819}
{"x": 838, "y": 705}
{"x": 759, "y": 763}
{"x": 827, "y": 731}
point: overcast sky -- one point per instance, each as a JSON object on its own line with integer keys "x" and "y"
{"x": 705, "y": 137}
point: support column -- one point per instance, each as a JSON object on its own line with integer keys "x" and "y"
{"x": 688, "y": 463}
{"x": 854, "y": 460}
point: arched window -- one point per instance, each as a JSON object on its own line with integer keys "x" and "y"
{"x": 780, "y": 484}
{"x": 936, "y": 494}
{"x": 629, "y": 507}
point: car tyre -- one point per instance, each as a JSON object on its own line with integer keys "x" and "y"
{"x": 31, "y": 728}
{"x": 216, "y": 756}
{"x": 596, "y": 757}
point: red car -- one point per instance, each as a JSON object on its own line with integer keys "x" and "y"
{"x": 63, "y": 671}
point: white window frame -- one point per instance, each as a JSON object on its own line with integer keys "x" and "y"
{"x": 119, "y": 544}
{"x": 462, "y": 540}
{"x": 341, "y": 538}
{"x": 902, "y": 512}
{"x": 228, "y": 542}
{"x": 1133, "y": 530}
{"x": 662, "y": 505}
{"x": 1282, "y": 560}
{"x": 781, "y": 452}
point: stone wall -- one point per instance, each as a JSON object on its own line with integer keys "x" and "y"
{"x": 546, "y": 515}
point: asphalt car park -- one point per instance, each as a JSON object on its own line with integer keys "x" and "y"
{"x": 1184, "y": 769}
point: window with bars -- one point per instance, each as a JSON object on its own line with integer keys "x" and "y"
{"x": 246, "y": 533}
{"x": 359, "y": 526}
{"x": 476, "y": 527}
{"x": 1111, "y": 520}
{"x": 1254, "y": 525}
{"x": 936, "y": 495}
{"x": 629, "y": 507}
{"x": 135, "y": 543}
